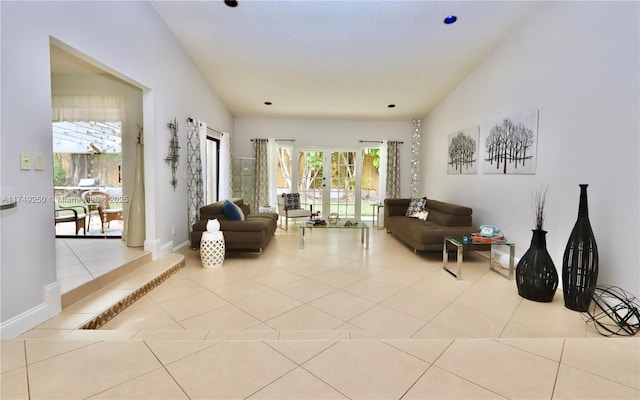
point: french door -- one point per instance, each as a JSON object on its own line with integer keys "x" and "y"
{"x": 328, "y": 181}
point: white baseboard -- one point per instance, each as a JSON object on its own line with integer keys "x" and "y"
{"x": 182, "y": 245}
{"x": 49, "y": 308}
{"x": 166, "y": 249}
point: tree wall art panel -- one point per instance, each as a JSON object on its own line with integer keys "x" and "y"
{"x": 510, "y": 144}
{"x": 463, "y": 151}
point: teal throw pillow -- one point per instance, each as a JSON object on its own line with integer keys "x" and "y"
{"x": 232, "y": 212}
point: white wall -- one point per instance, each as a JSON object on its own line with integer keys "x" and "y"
{"x": 326, "y": 133}
{"x": 578, "y": 64}
{"x": 142, "y": 51}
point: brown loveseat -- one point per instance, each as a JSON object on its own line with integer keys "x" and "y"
{"x": 252, "y": 234}
{"x": 444, "y": 219}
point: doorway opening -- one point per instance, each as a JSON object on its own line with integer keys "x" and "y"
{"x": 87, "y": 165}
{"x": 96, "y": 118}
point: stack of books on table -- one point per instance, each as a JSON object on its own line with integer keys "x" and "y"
{"x": 477, "y": 238}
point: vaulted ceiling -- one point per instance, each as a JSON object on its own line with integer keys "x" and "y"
{"x": 339, "y": 59}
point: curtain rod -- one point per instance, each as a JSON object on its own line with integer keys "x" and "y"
{"x": 279, "y": 140}
{"x": 208, "y": 128}
{"x": 216, "y": 131}
{"x": 374, "y": 141}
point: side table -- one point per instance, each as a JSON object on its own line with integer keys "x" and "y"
{"x": 460, "y": 245}
{"x": 212, "y": 249}
{"x": 376, "y": 213}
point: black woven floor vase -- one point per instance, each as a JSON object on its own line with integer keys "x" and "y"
{"x": 580, "y": 261}
{"x": 536, "y": 275}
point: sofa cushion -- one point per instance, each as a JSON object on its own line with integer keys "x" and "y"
{"x": 291, "y": 201}
{"x": 416, "y": 204}
{"x": 232, "y": 211}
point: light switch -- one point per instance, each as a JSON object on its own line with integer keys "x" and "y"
{"x": 38, "y": 162}
{"x": 25, "y": 161}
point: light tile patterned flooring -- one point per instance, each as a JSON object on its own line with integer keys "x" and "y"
{"x": 79, "y": 261}
{"x": 331, "y": 321}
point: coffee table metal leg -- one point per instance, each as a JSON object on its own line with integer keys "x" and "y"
{"x": 445, "y": 260}
{"x": 302, "y": 236}
{"x": 365, "y": 238}
{"x": 459, "y": 262}
{"x": 494, "y": 265}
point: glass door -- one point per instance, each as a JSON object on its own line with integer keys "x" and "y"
{"x": 330, "y": 180}
{"x": 311, "y": 181}
{"x": 345, "y": 184}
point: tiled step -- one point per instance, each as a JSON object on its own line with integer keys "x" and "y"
{"x": 86, "y": 289}
{"x": 363, "y": 334}
{"x": 97, "y": 308}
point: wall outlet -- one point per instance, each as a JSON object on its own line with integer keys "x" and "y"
{"x": 38, "y": 162}
{"x": 25, "y": 161}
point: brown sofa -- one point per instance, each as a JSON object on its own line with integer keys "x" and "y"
{"x": 252, "y": 234}
{"x": 444, "y": 219}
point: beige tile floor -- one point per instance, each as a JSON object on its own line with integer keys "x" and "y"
{"x": 332, "y": 321}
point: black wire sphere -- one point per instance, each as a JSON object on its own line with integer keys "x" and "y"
{"x": 613, "y": 312}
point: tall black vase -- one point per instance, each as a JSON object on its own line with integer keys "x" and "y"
{"x": 580, "y": 261}
{"x": 536, "y": 275}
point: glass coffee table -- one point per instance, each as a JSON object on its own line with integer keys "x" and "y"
{"x": 461, "y": 245}
{"x": 362, "y": 227}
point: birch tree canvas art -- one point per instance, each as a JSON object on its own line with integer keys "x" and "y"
{"x": 463, "y": 154}
{"x": 510, "y": 145}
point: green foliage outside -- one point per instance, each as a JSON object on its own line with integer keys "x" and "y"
{"x": 59, "y": 174}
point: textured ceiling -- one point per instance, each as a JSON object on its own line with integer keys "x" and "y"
{"x": 339, "y": 59}
{"x": 333, "y": 59}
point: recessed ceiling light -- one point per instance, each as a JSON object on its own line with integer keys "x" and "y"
{"x": 391, "y": 105}
{"x": 267, "y": 103}
{"x": 231, "y": 3}
{"x": 450, "y": 19}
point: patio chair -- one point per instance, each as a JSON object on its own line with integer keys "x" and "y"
{"x": 289, "y": 207}
{"x": 76, "y": 214}
{"x": 99, "y": 201}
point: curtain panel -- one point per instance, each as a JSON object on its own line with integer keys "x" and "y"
{"x": 100, "y": 108}
{"x": 195, "y": 190}
{"x": 392, "y": 189}
{"x": 261, "y": 176}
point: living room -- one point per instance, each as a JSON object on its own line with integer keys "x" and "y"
{"x": 576, "y": 63}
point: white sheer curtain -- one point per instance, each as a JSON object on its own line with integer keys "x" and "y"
{"x": 226, "y": 188}
{"x": 382, "y": 172}
{"x": 272, "y": 160}
{"x": 92, "y": 107}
